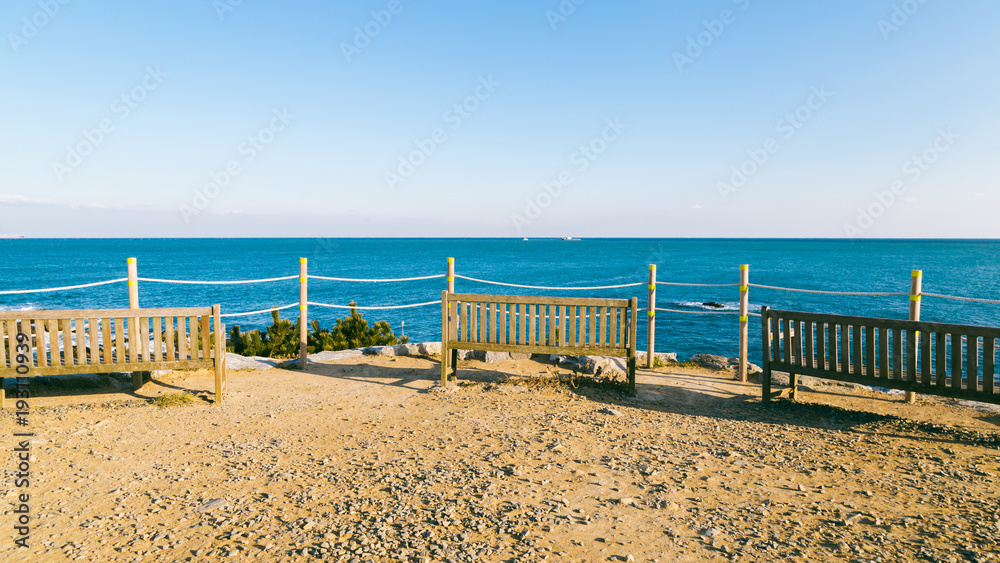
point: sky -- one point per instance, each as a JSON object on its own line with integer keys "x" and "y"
{"x": 514, "y": 118}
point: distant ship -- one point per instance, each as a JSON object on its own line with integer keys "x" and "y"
{"x": 5, "y": 235}
{"x": 570, "y": 238}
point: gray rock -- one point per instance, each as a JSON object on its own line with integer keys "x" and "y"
{"x": 236, "y": 361}
{"x": 711, "y": 362}
{"x": 665, "y": 357}
{"x": 213, "y": 505}
{"x": 611, "y": 411}
{"x": 331, "y": 355}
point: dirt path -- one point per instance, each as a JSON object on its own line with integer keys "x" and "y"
{"x": 366, "y": 459}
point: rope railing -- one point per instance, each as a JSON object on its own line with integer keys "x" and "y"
{"x": 698, "y": 284}
{"x": 376, "y": 308}
{"x": 217, "y": 282}
{"x": 259, "y": 312}
{"x": 375, "y": 280}
{"x": 825, "y": 292}
{"x": 955, "y": 297}
{"x": 547, "y": 287}
{"x": 64, "y": 288}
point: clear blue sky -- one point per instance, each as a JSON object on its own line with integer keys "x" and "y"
{"x": 340, "y": 118}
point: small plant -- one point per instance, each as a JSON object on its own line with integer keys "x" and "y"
{"x": 172, "y": 400}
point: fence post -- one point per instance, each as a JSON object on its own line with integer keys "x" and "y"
{"x": 651, "y": 318}
{"x": 303, "y": 311}
{"x": 450, "y": 278}
{"x": 138, "y": 377}
{"x": 916, "y": 283}
{"x": 133, "y": 284}
{"x": 744, "y": 317}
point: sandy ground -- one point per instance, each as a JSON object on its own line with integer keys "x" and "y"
{"x": 367, "y": 459}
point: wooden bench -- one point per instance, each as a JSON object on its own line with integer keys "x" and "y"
{"x": 543, "y": 325}
{"x": 932, "y": 358}
{"x": 35, "y": 343}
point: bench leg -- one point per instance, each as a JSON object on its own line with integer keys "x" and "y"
{"x": 3, "y": 392}
{"x": 454, "y": 365}
{"x": 631, "y": 375}
{"x": 793, "y": 380}
{"x": 137, "y": 380}
{"x": 445, "y": 354}
{"x": 765, "y": 384}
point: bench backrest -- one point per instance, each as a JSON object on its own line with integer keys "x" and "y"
{"x": 582, "y": 324}
{"x": 932, "y": 358}
{"x": 86, "y": 341}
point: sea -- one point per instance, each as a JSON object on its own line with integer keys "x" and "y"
{"x": 967, "y": 268}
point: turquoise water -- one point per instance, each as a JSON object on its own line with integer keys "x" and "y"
{"x": 965, "y": 268}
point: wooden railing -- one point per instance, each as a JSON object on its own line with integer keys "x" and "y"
{"x": 932, "y": 358}
{"x": 35, "y": 343}
{"x": 549, "y": 325}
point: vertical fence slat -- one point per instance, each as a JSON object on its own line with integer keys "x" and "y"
{"x": 856, "y": 361}
{"x": 502, "y": 336}
{"x": 157, "y": 353}
{"x": 531, "y": 324}
{"x": 3, "y": 346}
{"x": 776, "y": 338}
{"x": 182, "y": 338}
{"x": 206, "y": 341}
{"x": 831, "y": 350}
{"x": 144, "y": 338}
{"x": 600, "y": 327}
{"x": 870, "y": 351}
{"x": 911, "y": 355}
{"x": 169, "y": 337}
{"x": 550, "y": 318}
{"x": 119, "y": 324}
{"x": 54, "y": 342}
{"x": 621, "y": 328}
{"x": 883, "y": 352}
{"x": 81, "y": 341}
{"x": 989, "y": 350}
{"x": 786, "y": 324}
{"x": 592, "y": 332}
{"x": 845, "y": 348}
{"x": 941, "y": 359}
{"x": 820, "y": 345}
{"x": 809, "y": 344}
{"x": 66, "y": 327}
{"x": 571, "y": 326}
{"x": 474, "y": 322}
{"x": 42, "y": 359}
{"x": 95, "y": 344}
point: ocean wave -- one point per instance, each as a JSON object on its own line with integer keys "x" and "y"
{"x": 28, "y": 307}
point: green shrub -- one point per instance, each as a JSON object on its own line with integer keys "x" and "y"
{"x": 281, "y": 339}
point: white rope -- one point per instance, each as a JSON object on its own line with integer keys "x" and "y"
{"x": 699, "y": 312}
{"x": 552, "y": 288}
{"x": 229, "y": 282}
{"x": 438, "y": 302}
{"x": 19, "y": 291}
{"x": 973, "y": 299}
{"x": 376, "y": 280}
{"x": 866, "y": 293}
{"x": 258, "y": 312}
{"x": 700, "y": 284}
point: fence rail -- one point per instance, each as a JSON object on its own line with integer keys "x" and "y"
{"x": 915, "y": 295}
